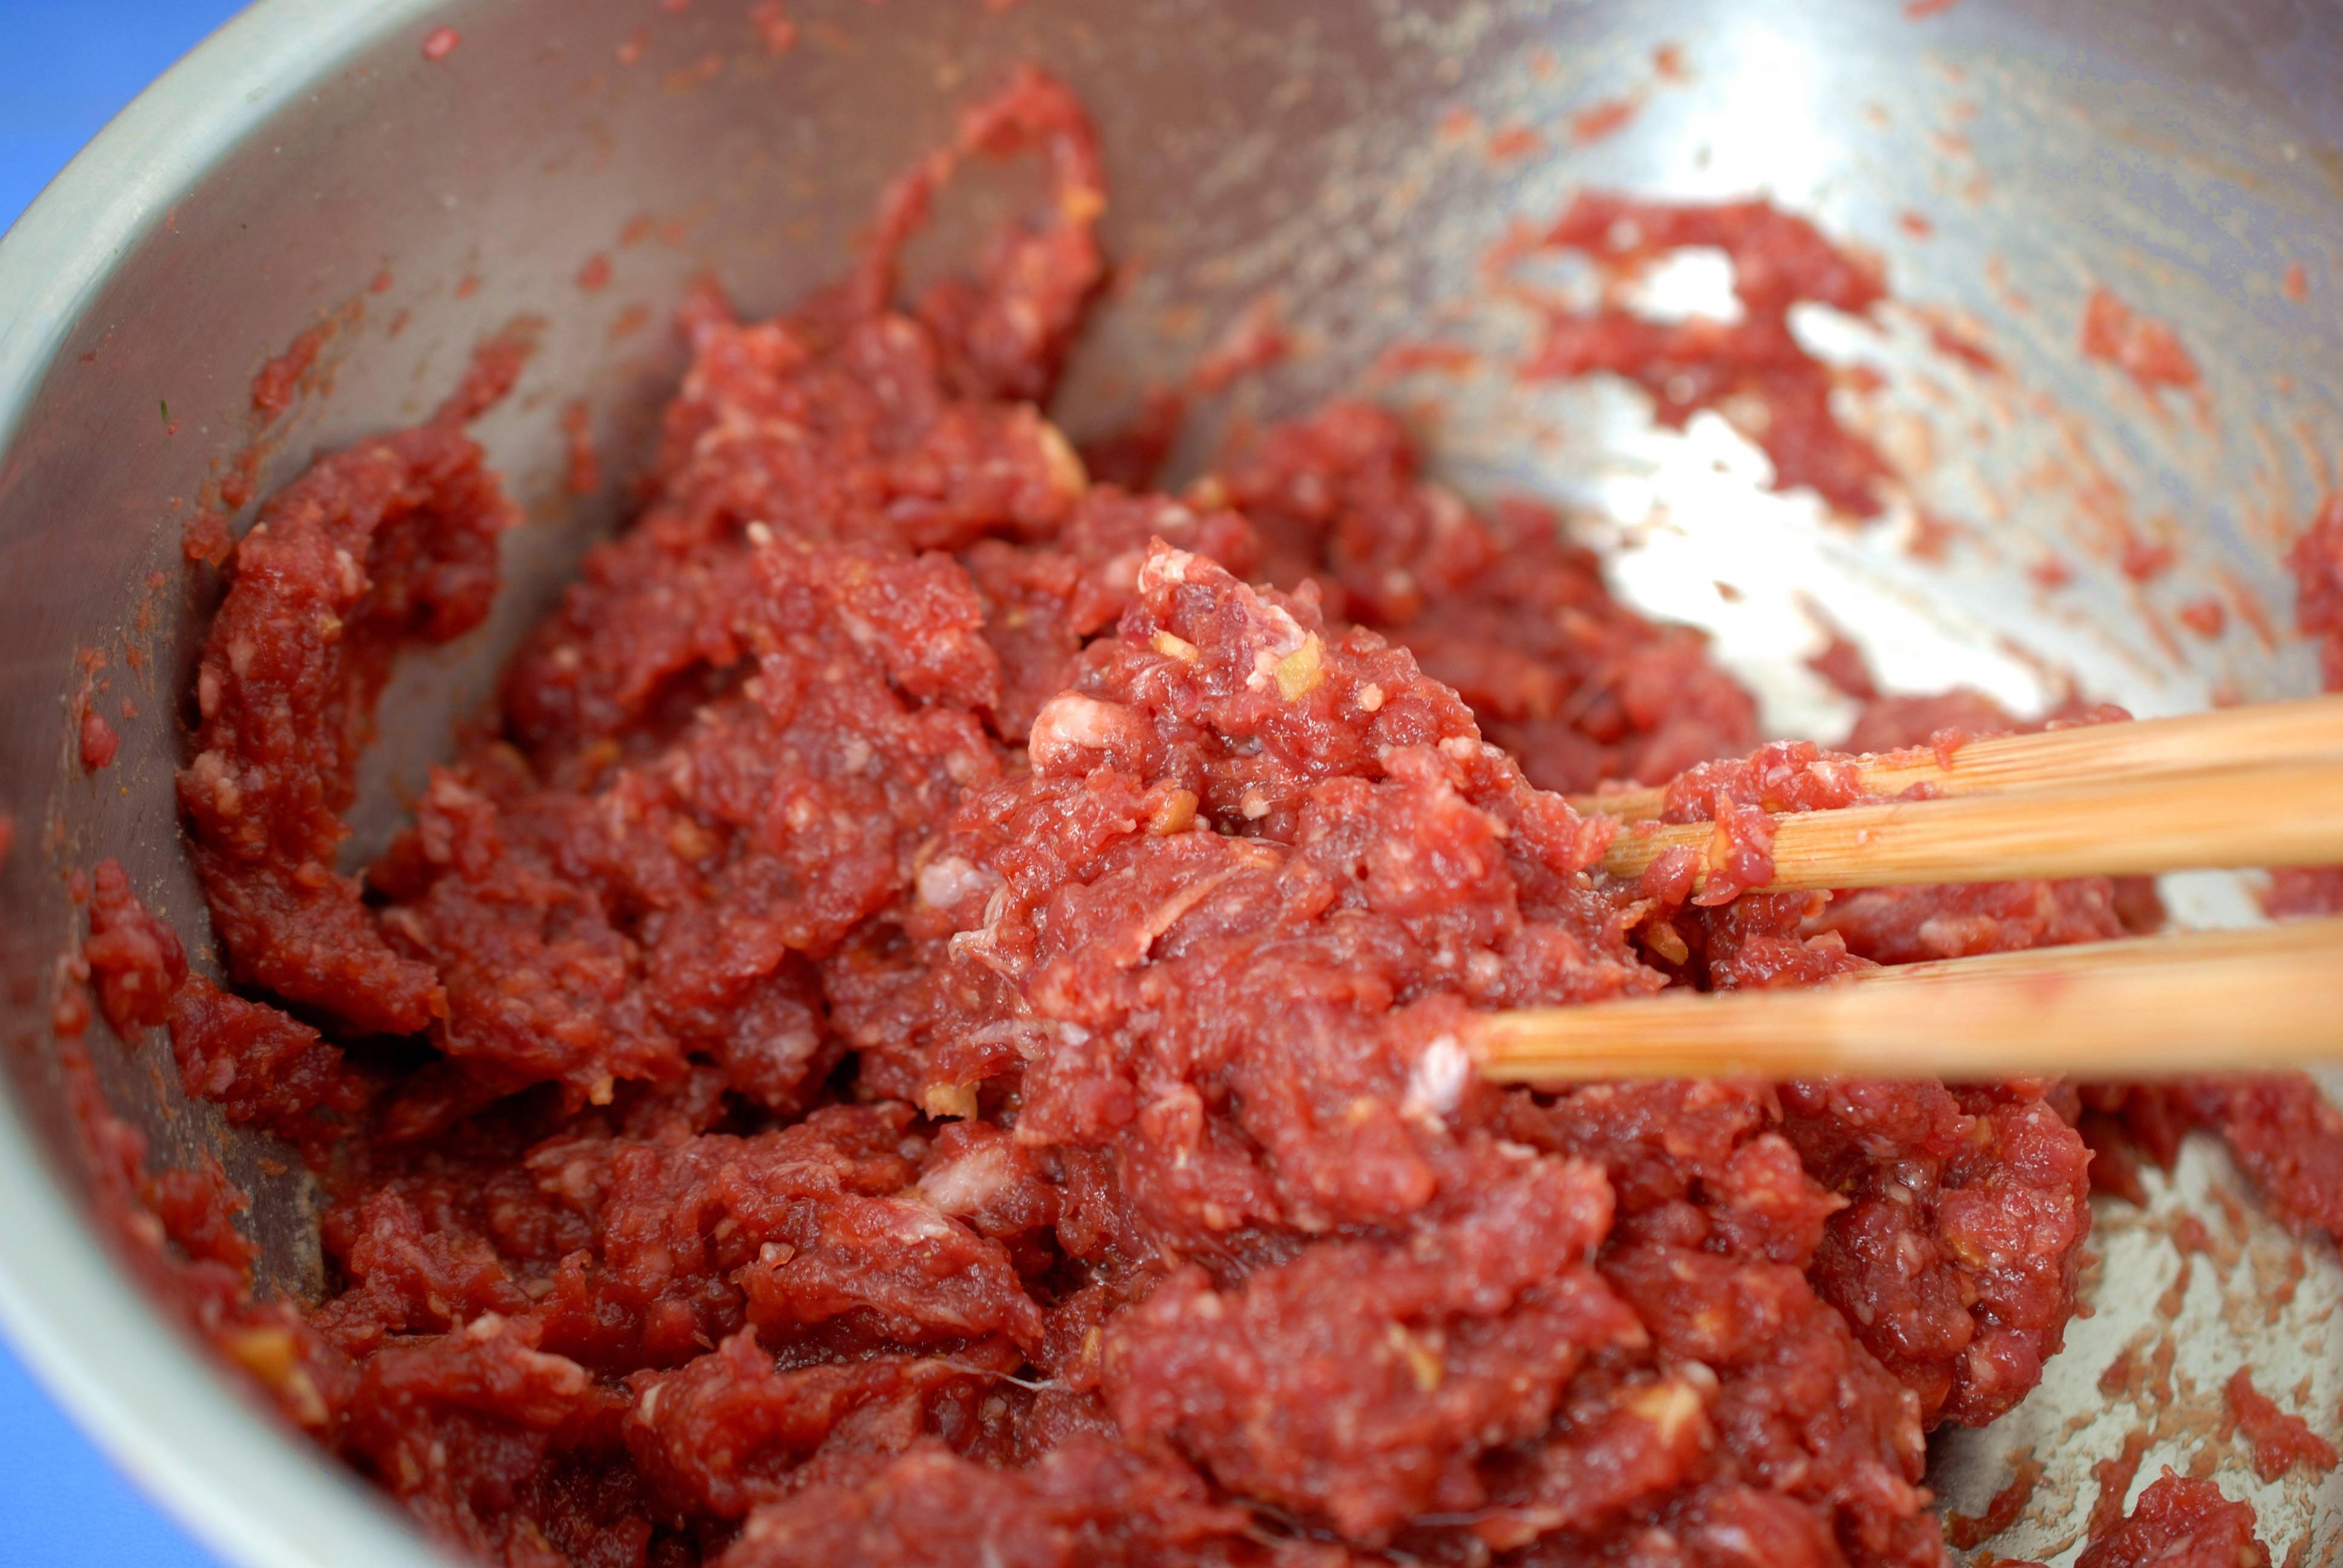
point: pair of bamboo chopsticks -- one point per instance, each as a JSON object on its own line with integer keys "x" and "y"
{"x": 2259, "y": 786}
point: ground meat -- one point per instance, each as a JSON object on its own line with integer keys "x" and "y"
{"x": 2296, "y": 890}
{"x": 2317, "y": 562}
{"x": 2181, "y": 1522}
{"x": 178, "y": 1232}
{"x": 264, "y": 1067}
{"x": 1803, "y": 1442}
{"x": 391, "y": 540}
{"x": 927, "y": 1025}
{"x": 1888, "y": 722}
{"x": 585, "y": 937}
{"x": 2280, "y": 1127}
{"x": 1965, "y": 1531}
{"x": 1363, "y": 1382}
{"x": 1908, "y": 925}
{"x": 99, "y": 743}
{"x": 731, "y": 1431}
{"x": 1787, "y": 776}
{"x": 1757, "y": 941}
{"x": 1497, "y": 605}
{"x": 2281, "y": 1440}
{"x": 2288, "y": 1137}
{"x": 135, "y": 958}
{"x": 1956, "y": 1256}
{"x": 1087, "y": 1503}
{"x": 1842, "y": 663}
{"x": 2141, "y": 346}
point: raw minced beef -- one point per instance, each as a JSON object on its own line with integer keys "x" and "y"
{"x": 928, "y": 1030}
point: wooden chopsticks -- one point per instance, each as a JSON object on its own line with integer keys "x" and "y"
{"x": 2259, "y": 786}
{"x": 2255, "y": 735}
{"x": 2290, "y": 814}
{"x": 2207, "y": 1001}
{"x": 2251, "y": 786}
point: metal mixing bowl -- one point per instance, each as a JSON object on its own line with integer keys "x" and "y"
{"x": 1329, "y": 157}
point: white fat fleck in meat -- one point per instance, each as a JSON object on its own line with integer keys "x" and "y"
{"x": 982, "y": 944}
{"x": 866, "y": 635}
{"x": 1284, "y": 632}
{"x": 949, "y": 878}
{"x": 1122, "y": 572}
{"x": 1278, "y": 633}
{"x": 1164, "y": 567}
{"x": 966, "y": 1184}
{"x": 214, "y": 778}
{"x": 1839, "y": 773}
{"x": 916, "y": 1223}
{"x": 1436, "y": 1084}
{"x": 1029, "y": 1037}
{"x": 1071, "y": 724}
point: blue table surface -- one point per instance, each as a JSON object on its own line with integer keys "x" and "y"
{"x": 65, "y": 66}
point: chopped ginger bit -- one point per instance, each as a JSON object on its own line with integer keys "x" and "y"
{"x": 1299, "y": 672}
{"x": 1207, "y": 493}
{"x": 273, "y": 1357}
{"x": 1178, "y": 648}
{"x": 268, "y": 1354}
{"x": 950, "y": 1100}
{"x": 1426, "y": 1367}
{"x": 1669, "y": 1406}
{"x": 1177, "y": 813}
{"x": 1066, "y": 471}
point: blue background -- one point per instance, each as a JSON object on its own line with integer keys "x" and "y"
{"x": 65, "y": 66}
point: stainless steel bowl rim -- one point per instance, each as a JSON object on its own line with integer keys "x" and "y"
{"x": 80, "y": 1326}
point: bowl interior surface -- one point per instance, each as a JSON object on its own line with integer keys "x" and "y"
{"x": 1328, "y": 167}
